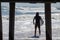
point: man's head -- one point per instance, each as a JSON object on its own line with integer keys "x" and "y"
{"x": 37, "y": 13}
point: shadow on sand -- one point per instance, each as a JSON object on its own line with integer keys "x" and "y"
{"x": 34, "y": 37}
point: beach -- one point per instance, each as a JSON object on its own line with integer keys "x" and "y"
{"x": 24, "y": 28}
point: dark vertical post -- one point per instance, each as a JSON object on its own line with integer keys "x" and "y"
{"x": 48, "y": 20}
{"x": 0, "y": 23}
{"x": 11, "y": 20}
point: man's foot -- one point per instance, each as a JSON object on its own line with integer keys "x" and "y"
{"x": 34, "y": 35}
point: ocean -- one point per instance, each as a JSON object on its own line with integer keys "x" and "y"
{"x": 28, "y": 8}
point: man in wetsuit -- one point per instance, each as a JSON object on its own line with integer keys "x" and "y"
{"x": 37, "y": 19}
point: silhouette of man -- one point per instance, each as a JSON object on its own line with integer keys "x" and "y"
{"x": 37, "y": 22}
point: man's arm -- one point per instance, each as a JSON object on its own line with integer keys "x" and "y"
{"x": 42, "y": 21}
{"x": 33, "y": 20}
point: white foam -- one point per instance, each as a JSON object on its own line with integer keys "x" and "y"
{"x": 24, "y": 24}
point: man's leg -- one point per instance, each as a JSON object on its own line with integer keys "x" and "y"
{"x": 35, "y": 29}
{"x": 39, "y": 29}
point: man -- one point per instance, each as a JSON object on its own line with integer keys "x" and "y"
{"x": 37, "y": 22}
